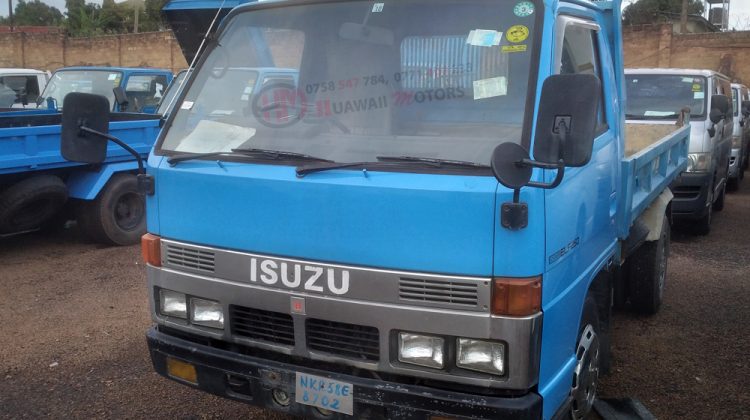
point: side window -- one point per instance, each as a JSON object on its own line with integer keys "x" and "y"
{"x": 580, "y": 55}
{"x": 147, "y": 90}
{"x": 22, "y": 85}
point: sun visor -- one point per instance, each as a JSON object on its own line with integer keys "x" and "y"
{"x": 190, "y": 19}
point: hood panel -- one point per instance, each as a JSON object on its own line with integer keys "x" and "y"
{"x": 420, "y": 222}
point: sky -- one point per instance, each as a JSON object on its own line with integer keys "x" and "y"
{"x": 739, "y": 10}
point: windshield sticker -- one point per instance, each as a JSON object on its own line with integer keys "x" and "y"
{"x": 517, "y": 33}
{"x": 514, "y": 48}
{"x": 687, "y": 80}
{"x": 658, "y": 113}
{"x": 484, "y": 38}
{"x": 697, "y": 87}
{"x": 223, "y": 137}
{"x": 490, "y": 88}
{"x": 699, "y": 95}
{"x": 524, "y": 9}
{"x": 112, "y": 76}
{"x": 377, "y": 7}
{"x": 186, "y": 105}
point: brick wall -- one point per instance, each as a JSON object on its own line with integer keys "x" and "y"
{"x": 52, "y": 51}
{"x": 657, "y": 46}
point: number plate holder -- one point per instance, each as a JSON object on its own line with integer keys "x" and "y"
{"x": 324, "y": 393}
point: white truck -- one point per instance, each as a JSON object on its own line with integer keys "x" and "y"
{"x": 20, "y": 87}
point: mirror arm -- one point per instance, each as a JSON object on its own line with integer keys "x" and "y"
{"x": 145, "y": 181}
{"x": 560, "y": 166}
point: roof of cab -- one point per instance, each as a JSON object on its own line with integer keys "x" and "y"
{"x": 120, "y": 69}
{"x": 738, "y": 85}
{"x": 17, "y": 70}
{"x": 686, "y": 72}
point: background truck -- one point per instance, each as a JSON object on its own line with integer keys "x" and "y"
{"x": 20, "y": 87}
{"x": 740, "y": 137}
{"x": 36, "y": 182}
{"x": 339, "y": 246}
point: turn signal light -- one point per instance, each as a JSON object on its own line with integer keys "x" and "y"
{"x": 151, "y": 249}
{"x": 182, "y": 370}
{"x": 516, "y": 296}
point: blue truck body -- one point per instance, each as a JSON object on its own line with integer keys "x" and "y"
{"x": 402, "y": 252}
{"x": 30, "y": 156}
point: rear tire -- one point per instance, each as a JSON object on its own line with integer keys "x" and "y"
{"x": 27, "y": 204}
{"x": 649, "y": 273}
{"x": 118, "y": 215}
{"x": 588, "y": 359}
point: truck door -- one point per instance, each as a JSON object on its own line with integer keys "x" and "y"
{"x": 580, "y": 213}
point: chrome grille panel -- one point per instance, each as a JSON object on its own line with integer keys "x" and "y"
{"x": 438, "y": 291}
{"x": 349, "y": 340}
{"x": 256, "y": 324}
{"x": 190, "y": 258}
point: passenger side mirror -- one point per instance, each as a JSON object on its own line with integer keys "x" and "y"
{"x": 84, "y": 110}
{"x": 567, "y": 118}
{"x": 719, "y": 108}
{"x": 121, "y": 98}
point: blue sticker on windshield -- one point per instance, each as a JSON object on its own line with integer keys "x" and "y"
{"x": 524, "y": 9}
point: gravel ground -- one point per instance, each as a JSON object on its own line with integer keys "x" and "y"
{"x": 74, "y": 316}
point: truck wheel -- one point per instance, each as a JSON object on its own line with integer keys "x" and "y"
{"x": 733, "y": 184}
{"x": 586, "y": 372}
{"x": 118, "y": 215}
{"x": 719, "y": 203}
{"x": 31, "y": 202}
{"x": 649, "y": 273}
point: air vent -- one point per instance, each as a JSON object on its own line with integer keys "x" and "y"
{"x": 349, "y": 340}
{"x": 438, "y": 291}
{"x": 191, "y": 258}
{"x": 272, "y": 327}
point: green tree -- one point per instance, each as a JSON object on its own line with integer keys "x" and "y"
{"x": 652, "y": 11}
{"x": 36, "y": 13}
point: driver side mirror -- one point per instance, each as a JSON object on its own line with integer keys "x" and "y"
{"x": 567, "y": 118}
{"x": 84, "y": 110}
{"x": 121, "y": 98}
{"x": 719, "y": 108}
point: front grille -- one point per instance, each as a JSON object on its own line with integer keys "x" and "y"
{"x": 438, "y": 291}
{"x": 194, "y": 259}
{"x": 348, "y": 340}
{"x": 687, "y": 192}
{"x": 271, "y": 327}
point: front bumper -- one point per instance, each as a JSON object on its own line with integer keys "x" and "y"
{"x": 251, "y": 379}
{"x": 691, "y": 191}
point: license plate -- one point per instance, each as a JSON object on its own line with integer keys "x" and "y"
{"x": 325, "y": 393}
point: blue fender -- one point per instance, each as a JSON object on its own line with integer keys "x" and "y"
{"x": 85, "y": 185}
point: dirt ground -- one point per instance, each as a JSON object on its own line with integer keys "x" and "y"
{"x": 74, "y": 315}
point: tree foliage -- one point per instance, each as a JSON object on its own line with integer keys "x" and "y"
{"x": 652, "y": 11}
{"x": 36, "y": 13}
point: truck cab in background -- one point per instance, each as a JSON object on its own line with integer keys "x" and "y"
{"x": 21, "y": 87}
{"x": 128, "y": 89}
{"x": 740, "y": 137}
{"x": 653, "y": 95}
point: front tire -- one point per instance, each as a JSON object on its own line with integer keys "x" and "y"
{"x": 588, "y": 360}
{"x": 118, "y": 215}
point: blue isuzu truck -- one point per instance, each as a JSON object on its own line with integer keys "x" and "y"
{"x": 431, "y": 217}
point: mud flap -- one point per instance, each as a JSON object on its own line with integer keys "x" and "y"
{"x": 622, "y": 409}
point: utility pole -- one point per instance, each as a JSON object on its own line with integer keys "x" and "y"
{"x": 10, "y": 14}
{"x": 683, "y": 17}
{"x": 135, "y": 20}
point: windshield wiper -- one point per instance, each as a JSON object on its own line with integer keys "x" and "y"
{"x": 437, "y": 162}
{"x": 268, "y": 154}
{"x": 385, "y": 160}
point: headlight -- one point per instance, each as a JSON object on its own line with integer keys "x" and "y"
{"x": 172, "y": 303}
{"x": 422, "y": 350}
{"x": 698, "y": 162}
{"x": 736, "y": 142}
{"x": 208, "y": 313}
{"x": 482, "y": 356}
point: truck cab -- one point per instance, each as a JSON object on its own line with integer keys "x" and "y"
{"x": 420, "y": 214}
{"x": 20, "y": 87}
{"x": 127, "y": 89}
{"x": 653, "y": 97}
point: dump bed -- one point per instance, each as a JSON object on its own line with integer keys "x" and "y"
{"x": 654, "y": 155}
{"x": 32, "y": 142}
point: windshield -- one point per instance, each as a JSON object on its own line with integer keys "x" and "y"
{"x": 350, "y": 81}
{"x": 87, "y": 81}
{"x": 662, "y": 96}
{"x": 735, "y": 101}
{"x": 169, "y": 96}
